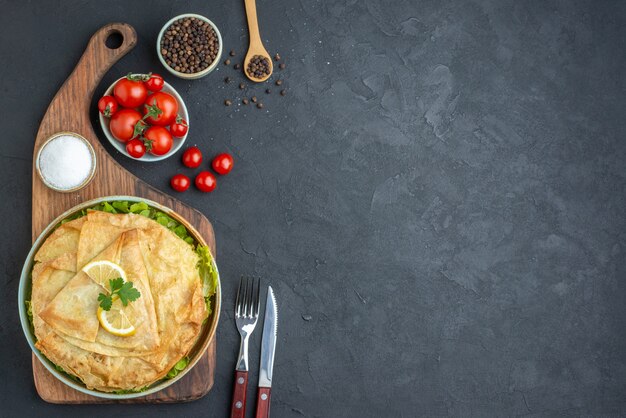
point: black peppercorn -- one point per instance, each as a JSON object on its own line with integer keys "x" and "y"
{"x": 258, "y": 67}
{"x": 189, "y": 45}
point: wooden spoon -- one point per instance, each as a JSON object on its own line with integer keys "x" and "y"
{"x": 256, "y": 45}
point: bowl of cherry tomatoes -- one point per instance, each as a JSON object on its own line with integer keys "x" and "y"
{"x": 144, "y": 117}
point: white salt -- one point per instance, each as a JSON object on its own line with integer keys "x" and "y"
{"x": 66, "y": 162}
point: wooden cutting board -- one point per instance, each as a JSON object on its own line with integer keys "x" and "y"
{"x": 69, "y": 111}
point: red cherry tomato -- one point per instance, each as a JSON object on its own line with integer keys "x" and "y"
{"x": 130, "y": 91}
{"x": 206, "y": 182}
{"x": 163, "y": 102}
{"x": 222, "y": 164}
{"x": 122, "y": 124}
{"x": 154, "y": 83}
{"x": 135, "y": 148}
{"x": 107, "y": 105}
{"x": 192, "y": 157}
{"x": 180, "y": 182}
{"x": 159, "y": 138}
{"x": 179, "y": 128}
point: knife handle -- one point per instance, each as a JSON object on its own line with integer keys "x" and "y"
{"x": 263, "y": 403}
{"x": 238, "y": 407}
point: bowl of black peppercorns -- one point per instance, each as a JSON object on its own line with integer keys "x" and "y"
{"x": 189, "y": 46}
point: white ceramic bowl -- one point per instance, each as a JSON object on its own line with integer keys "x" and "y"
{"x": 121, "y": 146}
{"x": 202, "y": 73}
{"x": 24, "y": 293}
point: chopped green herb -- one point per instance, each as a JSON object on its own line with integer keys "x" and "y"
{"x": 208, "y": 275}
{"x": 181, "y": 231}
{"x": 138, "y": 207}
{"x": 126, "y": 391}
{"x": 29, "y": 310}
{"x": 125, "y": 291}
{"x": 107, "y": 207}
{"x": 74, "y": 216}
{"x": 178, "y": 367}
{"x": 145, "y": 213}
{"x": 121, "y": 206}
{"x": 71, "y": 376}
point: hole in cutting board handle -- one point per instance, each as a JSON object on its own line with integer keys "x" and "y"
{"x": 114, "y": 40}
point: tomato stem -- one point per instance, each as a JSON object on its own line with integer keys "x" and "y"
{"x": 153, "y": 112}
{"x": 138, "y": 77}
{"x": 181, "y": 121}
{"x": 147, "y": 143}
{"x": 140, "y": 126}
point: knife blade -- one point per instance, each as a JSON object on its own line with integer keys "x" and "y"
{"x": 268, "y": 348}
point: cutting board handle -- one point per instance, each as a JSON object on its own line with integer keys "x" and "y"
{"x": 69, "y": 110}
{"x": 98, "y": 58}
{"x": 104, "y": 56}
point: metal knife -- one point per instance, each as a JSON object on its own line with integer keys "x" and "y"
{"x": 268, "y": 346}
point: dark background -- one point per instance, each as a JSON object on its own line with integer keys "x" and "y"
{"x": 442, "y": 191}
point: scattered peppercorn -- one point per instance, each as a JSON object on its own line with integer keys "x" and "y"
{"x": 189, "y": 45}
{"x": 260, "y": 105}
{"x": 279, "y": 82}
{"x": 282, "y": 66}
{"x": 253, "y": 99}
{"x": 245, "y": 101}
{"x": 231, "y": 53}
{"x": 227, "y": 62}
{"x": 268, "y": 91}
{"x": 228, "y": 80}
{"x": 277, "y": 57}
{"x": 227, "y": 102}
{"x": 283, "y": 92}
{"x": 237, "y": 66}
{"x": 241, "y": 86}
{"x": 258, "y": 67}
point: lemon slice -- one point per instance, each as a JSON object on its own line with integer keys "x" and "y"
{"x": 102, "y": 271}
{"x": 117, "y": 320}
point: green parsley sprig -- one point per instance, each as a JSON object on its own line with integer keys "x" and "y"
{"x": 124, "y": 290}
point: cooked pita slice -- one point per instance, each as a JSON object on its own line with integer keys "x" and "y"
{"x": 48, "y": 279}
{"x": 146, "y": 338}
{"x": 63, "y": 240}
{"x": 104, "y": 373}
{"x": 121, "y": 220}
{"x": 94, "y": 238}
{"x": 73, "y": 310}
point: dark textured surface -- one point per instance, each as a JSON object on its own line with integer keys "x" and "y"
{"x": 439, "y": 201}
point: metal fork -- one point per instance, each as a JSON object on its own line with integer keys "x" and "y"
{"x": 246, "y": 315}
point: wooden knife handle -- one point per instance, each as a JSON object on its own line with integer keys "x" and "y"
{"x": 263, "y": 403}
{"x": 238, "y": 407}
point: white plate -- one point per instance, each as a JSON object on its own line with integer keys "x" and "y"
{"x": 121, "y": 146}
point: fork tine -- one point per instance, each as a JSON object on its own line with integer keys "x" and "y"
{"x": 240, "y": 297}
{"x": 238, "y": 300}
{"x": 250, "y": 297}
{"x": 244, "y": 301}
{"x": 258, "y": 300}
